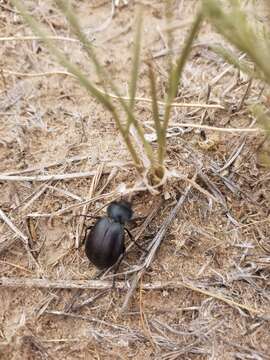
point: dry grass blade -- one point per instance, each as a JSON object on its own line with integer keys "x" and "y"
{"x": 104, "y": 285}
{"x": 65, "y": 177}
{"x": 47, "y": 165}
{"x": 153, "y": 247}
{"x": 13, "y": 227}
{"x": 143, "y": 318}
{"x": 204, "y": 277}
{"x": 93, "y": 187}
{"x": 231, "y": 130}
{"x": 232, "y": 59}
{"x": 31, "y": 38}
{"x": 24, "y": 238}
{"x": 156, "y": 242}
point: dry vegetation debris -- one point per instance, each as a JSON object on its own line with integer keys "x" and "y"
{"x": 205, "y": 294}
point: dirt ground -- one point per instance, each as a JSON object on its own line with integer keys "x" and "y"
{"x": 216, "y": 254}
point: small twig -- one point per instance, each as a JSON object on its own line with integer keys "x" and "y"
{"x": 236, "y": 152}
{"x": 89, "y": 301}
{"x": 74, "y": 206}
{"x": 23, "y": 237}
{"x": 112, "y": 194}
{"x": 152, "y": 213}
{"x": 13, "y": 227}
{"x": 16, "y": 266}
{"x": 244, "y": 96}
{"x": 193, "y": 183}
{"x": 48, "y": 73}
{"x": 137, "y": 99}
{"x": 54, "y": 177}
{"x": 109, "y": 324}
{"x": 207, "y": 100}
{"x": 144, "y": 321}
{"x": 154, "y": 245}
{"x": 214, "y": 189}
{"x": 35, "y": 196}
{"x": 215, "y": 128}
{"x": 9, "y": 9}
{"x": 225, "y": 71}
{"x": 162, "y": 103}
{"x": 64, "y": 192}
{"x": 47, "y": 166}
{"x": 233, "y": 156}
{"x": 103, "y": 285}
{"x": 94, "y": 184}
{"x": 31, "y": 38}
{"x": 241, "y": 227}
{"x": 110, "y": 165}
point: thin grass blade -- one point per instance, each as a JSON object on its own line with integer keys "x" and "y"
{"x": 73, "y": 21}
{"x": 84, "y": 81}
{"x": 136, "y": 59}
{"x": 155, "y": 109}
{"x": 175, "y": 75}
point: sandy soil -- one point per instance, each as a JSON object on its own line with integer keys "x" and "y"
{"x": 218, "y": 245}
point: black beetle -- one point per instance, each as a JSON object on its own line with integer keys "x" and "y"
{"x": 104, "y": 244}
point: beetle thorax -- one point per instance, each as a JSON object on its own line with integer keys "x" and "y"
{"x": 120, "y": 211}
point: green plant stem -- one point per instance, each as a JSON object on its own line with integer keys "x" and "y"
{"x": 174, "y": 79}
{"x": 169, "y": 33}
{"x": 155, "y": 109}
{"x": 72, "y": 20}
{"x": 136, "y": 60}
{"x": 236, "y": 28}
{"x": 79, "y": 75}
{"x": 64, "y": 6}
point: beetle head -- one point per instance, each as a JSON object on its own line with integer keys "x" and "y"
{"x": 120, "y": 211}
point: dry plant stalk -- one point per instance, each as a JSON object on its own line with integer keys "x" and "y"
{"x": 234, "y": 24}
{"x": 156, "y": 170}
{"x": 104, "y": 285}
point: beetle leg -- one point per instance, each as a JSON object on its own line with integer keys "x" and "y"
{"x": 136, "y": 221}
{"x": 117, "y": 265}
{"x": 85, "y": 234}
{"x": 137, "y": 218}
{"x": 132, "y": 239}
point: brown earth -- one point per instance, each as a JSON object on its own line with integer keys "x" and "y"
{"x": 217, "y": 247}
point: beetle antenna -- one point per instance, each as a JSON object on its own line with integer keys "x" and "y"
{"x": 134, "y": 241}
